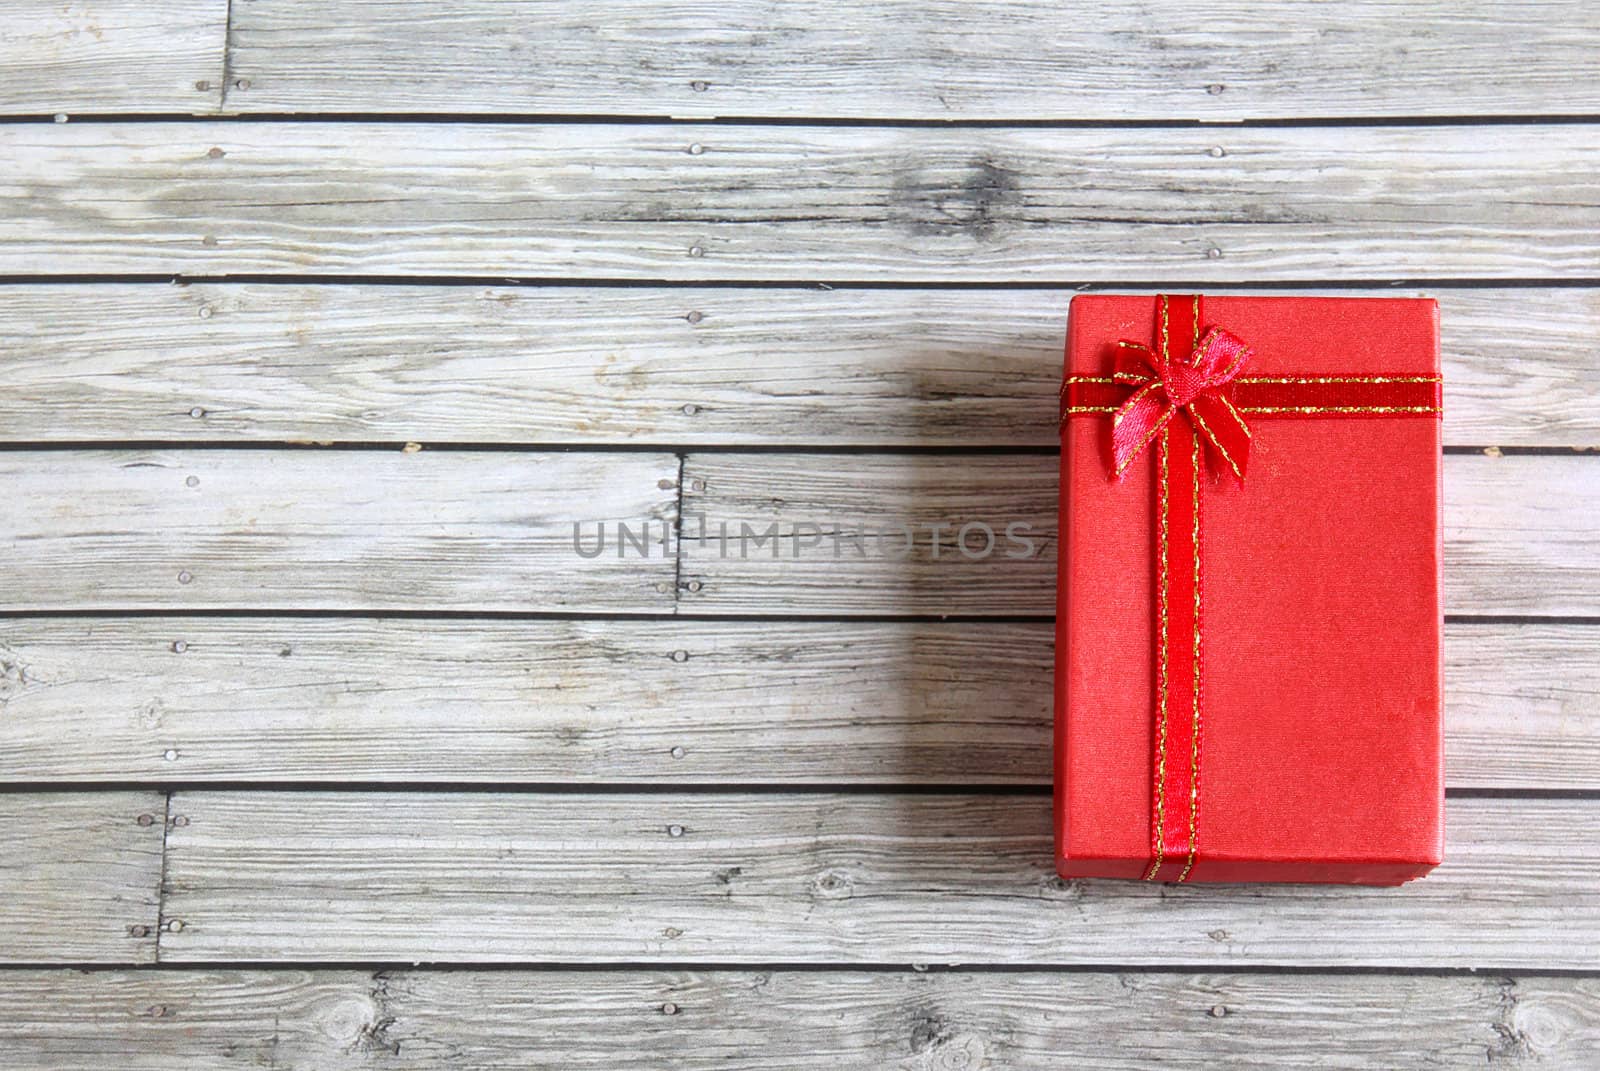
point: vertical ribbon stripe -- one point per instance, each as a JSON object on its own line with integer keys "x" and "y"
{"x": 1176, "y": 761}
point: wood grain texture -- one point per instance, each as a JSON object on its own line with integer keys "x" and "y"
{"x": 345, "y": 1020}
{"x": 612, "y": 365}
{"x": 307, "y": 700}
{"x": 331, "y": 529}
{"x": 80, "y": 876}
{"x": 111, "y": 56}
{"x": 634, "y": 201}
{"x": 741, "y": 878}
{"x": 1530, "y": 517}
{"x": 917, "y": 59}
{"x": 365, "y": 530}
{"x": 524, "y": 701}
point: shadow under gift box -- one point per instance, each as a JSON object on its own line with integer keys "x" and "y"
{"x": 1321, "y": 753}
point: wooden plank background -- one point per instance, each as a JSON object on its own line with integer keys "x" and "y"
{"x": 830, "y": 203}
{"x": 346, "y": 1020}
{"x": 301, "y": 681}
{"x": 312, "y": 529}
{"x": 918, "y": 59}
{"x": 81, "y": 874}
{"x": 657, "y": 365}
{"x": 818, "y": 878}
{"x": 308, "y": 700}
{"x": 112, "y": 56}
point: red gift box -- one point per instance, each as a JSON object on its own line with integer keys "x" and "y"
{"x": 1248, "y": 617}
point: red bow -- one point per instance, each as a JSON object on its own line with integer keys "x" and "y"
{"x": 1199, "y": 385}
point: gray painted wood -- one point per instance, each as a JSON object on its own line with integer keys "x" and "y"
{"x": 634, "y": 201}
{"x": 612, "y": 365}
{"x": 338, "y": 1020}
{"x": 80, "y": 876}
{"x": 1517, "y": 515}
{"x": 307, "y": 529}
{"x": 111, "y": 56}
{"x": 668, "y": 702}
{"x": 1026, "y": 60}
{"x": 462, "y": 530}
{"x": 738, "y": 878}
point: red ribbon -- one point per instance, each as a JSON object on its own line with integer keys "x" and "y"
{"x": 1186, "y": 396}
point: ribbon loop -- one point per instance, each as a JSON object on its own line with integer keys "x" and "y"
{"x": 1197, "y": 386}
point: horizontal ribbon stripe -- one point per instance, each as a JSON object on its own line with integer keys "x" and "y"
{"x": 1280, "y": 396}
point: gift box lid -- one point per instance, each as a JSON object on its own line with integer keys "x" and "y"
{"x": 1321, "y": 756}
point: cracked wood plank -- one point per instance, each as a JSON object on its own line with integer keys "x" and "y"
{"x": 669, "y": 702}
{"x": 80, "y": 876}
{"x": 718, "y": 366}
{"x": 333, "y": 529}
{"x": 920, "y": 59}
{"x": 741, "y": 878}
{"x": 632, "y": 202}
{"x": 688, "y": 1020}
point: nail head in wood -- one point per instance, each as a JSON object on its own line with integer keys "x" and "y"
{"x": 695, "y": 317}
{"x": 669, "y": 1008}
{"x": 680, "y": 656}
{"x": 185, "y": 576}
{"x": 181, "y": 821}
{"x": 1215, "y": 88}
{"x": 674, "y": 831}
{"x": 171, "y": 754}
{"x": 146, "y": 819}
{"x": 696, "y": 149}
{"x": 139, "y": 931}
{"x": 677, "y": 752}
{"x": 1218, "y": 1011}
{"x": 179, "y": 646}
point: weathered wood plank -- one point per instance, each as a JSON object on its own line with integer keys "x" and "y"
{"x": 360, "y": 530}
{"x": 915, "y": 59}
{"x": 80, "y": 875}
{"x": 670, "y": 702}
{"x": 498, "y": 701}
{"x": 1529, "y": 517}
{"x": 579, "y": 365}
{"x": 109, "y": 56}
{"x": 340, "y": 1020}
{"x": 763, "y": 878}
{"x": 636, "y": 201}
{"x": 330, "y": 529}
